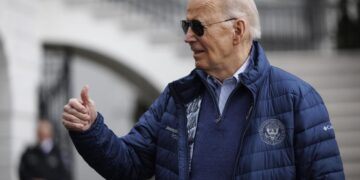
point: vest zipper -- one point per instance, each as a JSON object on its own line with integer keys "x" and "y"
{"x": 183, "y": 119}
{"x": 213, "y": 97}
{"x": 242, "y": 140}
{"x": 187, "y": 145}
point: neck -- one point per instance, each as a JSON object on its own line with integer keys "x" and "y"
{"x": 228, "y": 69}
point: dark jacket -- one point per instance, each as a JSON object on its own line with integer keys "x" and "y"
{"x": 287, "y": 133}
{"x": 35, "y": 164}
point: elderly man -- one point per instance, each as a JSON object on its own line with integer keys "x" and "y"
{"x": 234, "y": 117}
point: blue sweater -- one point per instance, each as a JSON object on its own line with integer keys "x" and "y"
{"x": 283, "y": 137}
{"x": 217, "y": 141}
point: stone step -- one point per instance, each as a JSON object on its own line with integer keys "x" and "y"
{"x": 352, "y": 170}
{"x": 346, "y": 123}
{"x": 348, "y": 139}
{"x": 344, "y": 109}
{"x": 340, "y": 94}
{"x": 350, "y": 154}
{"x": 351, "y": 161}
{"x": 311, "y": 63}
{"x": 333, "y": 80}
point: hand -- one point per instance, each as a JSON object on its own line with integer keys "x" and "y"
{"x": 79, "y": 114}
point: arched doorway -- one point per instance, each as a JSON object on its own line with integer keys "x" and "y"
{"x": 121, "y": 95}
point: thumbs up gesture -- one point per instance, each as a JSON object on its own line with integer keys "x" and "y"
{"x": 79, "y": 114}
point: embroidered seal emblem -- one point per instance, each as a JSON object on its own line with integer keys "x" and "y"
{"x": 272, "y": 131}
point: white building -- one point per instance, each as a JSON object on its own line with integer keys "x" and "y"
{"x": 127, "y": 56}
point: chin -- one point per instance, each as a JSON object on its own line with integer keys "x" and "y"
{"x": 197, "y": 62}
{"x": 199, "y": 65}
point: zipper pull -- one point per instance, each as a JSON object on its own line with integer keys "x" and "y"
{"x": 249, "y": 112}
{"x": 217, "y": 120}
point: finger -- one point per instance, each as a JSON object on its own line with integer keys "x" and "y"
{"x": 76, "y": 104}
{"x": 80, "y": 115}
{"x": 73, "y": 126}
{"x": 85, "y": 95}
{"x": 71, "y": 118}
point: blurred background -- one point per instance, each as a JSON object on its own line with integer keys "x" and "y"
{"x": 128, "y": 50}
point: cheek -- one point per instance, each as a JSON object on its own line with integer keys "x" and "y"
{"x": 220, "y": 47}
{"x": 221, "y": 39}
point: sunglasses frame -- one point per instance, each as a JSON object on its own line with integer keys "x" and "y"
{"x": 197, "y": 27}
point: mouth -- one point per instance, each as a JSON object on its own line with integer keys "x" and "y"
{"x": 197, "y": 51}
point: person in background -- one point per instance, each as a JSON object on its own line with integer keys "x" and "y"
{"x": 233, "y": 117}
{"x": 43, "y": 160}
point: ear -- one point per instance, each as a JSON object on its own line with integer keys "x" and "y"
{"x": 239, "y": 31}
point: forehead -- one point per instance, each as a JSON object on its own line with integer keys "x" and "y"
{"x": 204, "y": 9}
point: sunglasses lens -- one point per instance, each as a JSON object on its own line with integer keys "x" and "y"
{"x": 197, "y": 27}
{"x": 185, "y": 26}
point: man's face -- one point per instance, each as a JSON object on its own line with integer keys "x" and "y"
{"x": 44, "y": 131}
{"x": 215, "y": 48}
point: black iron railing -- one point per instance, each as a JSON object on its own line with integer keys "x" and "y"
{"x": 297, "y": 25}
{"x": 54, "y": 93}
{"x": 286, "y": 25}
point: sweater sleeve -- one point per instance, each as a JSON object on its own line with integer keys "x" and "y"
{"x": 128, "y": 157}
{"x": 316, "y": 150}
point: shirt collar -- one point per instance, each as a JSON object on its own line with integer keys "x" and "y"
{"x": 235, "y": 75}
{"x": 241, "y": 69}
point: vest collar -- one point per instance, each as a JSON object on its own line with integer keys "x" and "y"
{"x": 186, "y": 89}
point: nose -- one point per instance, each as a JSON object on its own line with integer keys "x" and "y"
{"x": 189, "y": 36}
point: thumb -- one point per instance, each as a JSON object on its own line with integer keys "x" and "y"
{"x": 85, "y": 95}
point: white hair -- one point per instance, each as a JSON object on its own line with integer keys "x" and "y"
{"x": 247, "y": 9}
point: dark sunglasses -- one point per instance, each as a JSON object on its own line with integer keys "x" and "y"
{"x": 197, "y": 27}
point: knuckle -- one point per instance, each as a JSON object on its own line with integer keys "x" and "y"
{"x": 69, "y": 117}
{"x": 73, "y": 101}
{"x": 84, "y": 110}
{"x": 66, "y": 107}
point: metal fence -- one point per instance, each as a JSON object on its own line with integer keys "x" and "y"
{"x": 54, "y": 93}
{"x": 297, "y": 25}
{"x": 286, "y": 25}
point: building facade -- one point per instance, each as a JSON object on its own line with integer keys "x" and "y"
{"x": 127, "y": 51}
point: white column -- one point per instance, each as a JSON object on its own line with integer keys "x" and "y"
{"x": 18, "y": 25}
{"x": 4, "y": 115}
